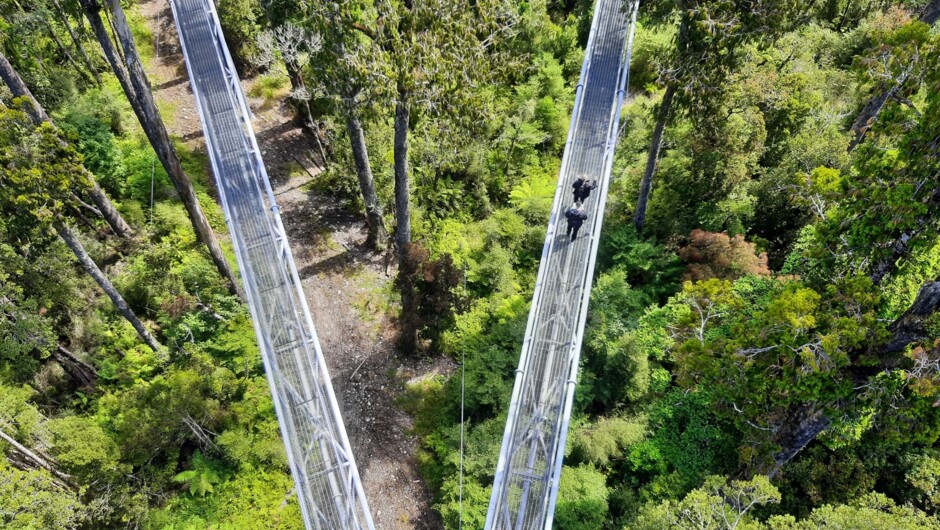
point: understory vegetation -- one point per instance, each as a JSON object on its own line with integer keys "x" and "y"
{"x": 763, "y": 340}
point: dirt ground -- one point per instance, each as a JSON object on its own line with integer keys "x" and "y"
{"x": 346, "y": 287}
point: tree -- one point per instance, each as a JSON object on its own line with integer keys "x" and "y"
{"x": 32, "y": 499}
{"x": 874, "y": 510}
{"x": 902, "y": 78}
{"x": 582, "y": 499}
{"x": 717, "y": 505}
{"x": 711, "y": 255}
{"x": 436, "y": 54}
{"x": 38, "y": 173}
{"x": 137, "y": 89}
{"x": 707, "y": 42}
{"x": 105, "y": 208}
{"x": 910, "y": 200}
{"x": 338, "y": 73}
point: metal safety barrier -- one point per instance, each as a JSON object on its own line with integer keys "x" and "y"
{"x": 525, "y": 488}
{"x": 327, "y": 481}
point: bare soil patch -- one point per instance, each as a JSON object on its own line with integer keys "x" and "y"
{"x": 346, "y": 288}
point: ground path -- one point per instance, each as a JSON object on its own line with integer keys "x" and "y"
{"x": 345, "y": 286}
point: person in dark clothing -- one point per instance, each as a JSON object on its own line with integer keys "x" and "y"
{"x": 576, "y": 217}
{"x": 577, "y": 187}
{"x": 582, "y": 188}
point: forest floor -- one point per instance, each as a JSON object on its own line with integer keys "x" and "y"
{"x": 346, "y": 285}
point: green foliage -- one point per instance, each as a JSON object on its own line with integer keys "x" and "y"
{"x": 241, "y": 24}
{"x": 689, "y": 440}
{"x": 270, "y": 87}
{"x": 717, "y": 505}
{"x": 254, "y": 498}
{"x": 84, "y": 449}
{"x": 582, "y": 503}
{"x": 32, "y": 499}
{"x": 649, "y": 266}
{"x": 873, "y": 510}
{"x": 201, "y": 478}
{"x": 605, "y": 440}
{"x": 37, "y": 172}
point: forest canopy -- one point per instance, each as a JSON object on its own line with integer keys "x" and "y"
{"x": 762, "y": 347}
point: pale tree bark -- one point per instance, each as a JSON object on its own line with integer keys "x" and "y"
{"x": 302, "y": 106}
{"x": 19, "y": 89}
{"x": 77, "y": 42}
{"x": 75, "y": 245}
{"x": 38, "y": 461}
{"x": 408, "y": 333}
{"x": 869, "y": 113}
{"x": 90, "y": 76}
{"x": 92, "y": 10}
{"x": 155, "y": 130}
{"x": 646, "y": 185}
{"x": 402, "y": 185}
{"x": 38, "y": 115}
{"x": 82, "y": 372}
{"x": 377, "y": 233}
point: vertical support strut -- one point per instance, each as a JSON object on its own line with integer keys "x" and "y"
{"x": 327, "y": 480}
{"x": 528, "y": 471}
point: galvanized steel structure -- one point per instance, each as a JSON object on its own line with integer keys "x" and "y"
{"x": 328, "y": 485}
{"x": 527, "y": 475}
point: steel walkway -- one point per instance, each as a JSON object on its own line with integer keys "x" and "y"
{"x": 327, "y": 481}
{"x": 525, "y": 488}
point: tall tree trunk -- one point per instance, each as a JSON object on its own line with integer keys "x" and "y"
{"x": 71, "y": 240}
{"x": 38, "y": 461}
{"x": 92, "y": 11}
{"x": 153, "y": 126}
{"x": 107, "y": 209}
{"x": 377, "y": 233}
{"x": 19, "y": 89}
{"x": 408, "y": 333}
{"x": 912, "y": 326}
{"x": 931, "y": 13}
{"x": 646, "y": 185}
{"x": 38, "y": 115}
{"x": 62, "y": 49}
{"x": 806, "y": 431}
{"x": 77, "y": 42}
{"x": 302, "y": 106}
{"x": 402, "y": 193}
{"x": 869, "y": 113}
{"x": 909, "y": 328}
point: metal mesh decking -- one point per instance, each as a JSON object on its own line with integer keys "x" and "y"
{"x": 530, "y": 461}
{"x": 328, "y": 484}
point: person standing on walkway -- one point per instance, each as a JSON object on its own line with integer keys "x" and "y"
{"x": 576, "y": 217}
{"x": 582, "y": 189}
{"x": 577, "y": 187}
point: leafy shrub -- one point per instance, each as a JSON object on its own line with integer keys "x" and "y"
{"x": 240, "y": 20}
{"x": 715, "y": 255}
{"x": 602, "y": 441}
{"x": 582, "y": 499}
